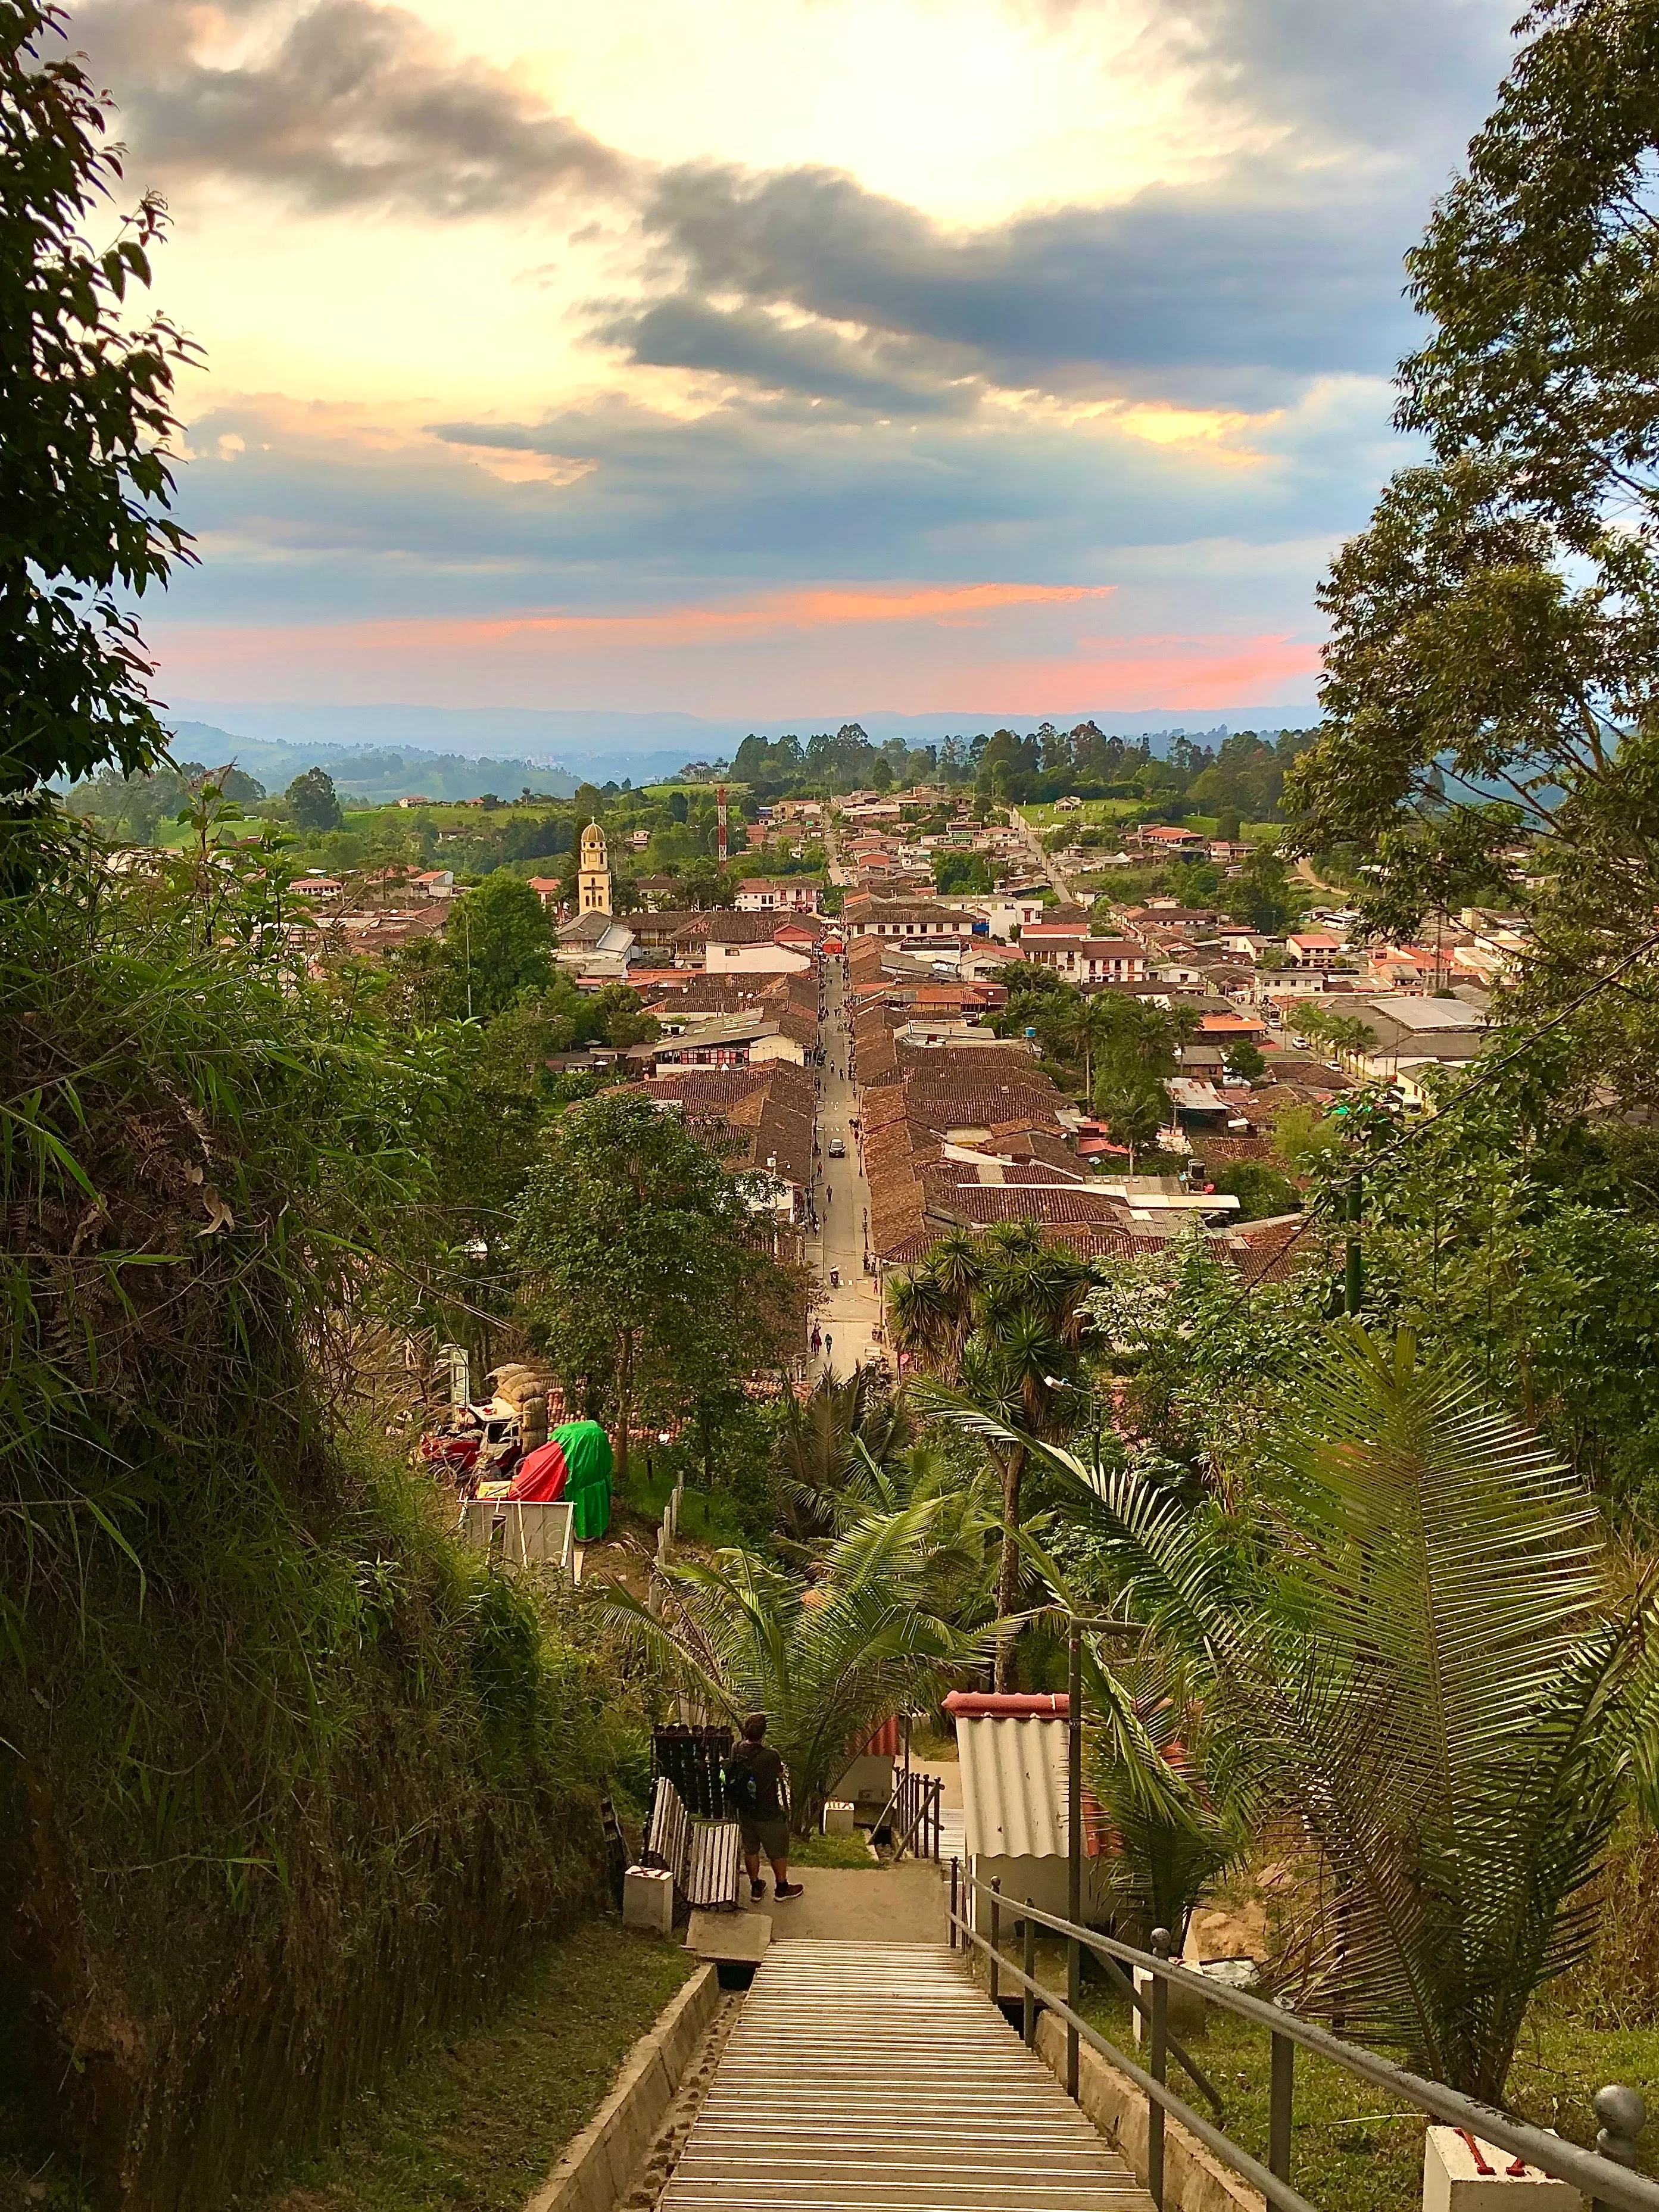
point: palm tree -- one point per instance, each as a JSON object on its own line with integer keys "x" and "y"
{"x": 1426, "y": 1674}
{"x": 819, "y": 1437}
{"x": 1001, "y": 1315}
{"x": 1080, "y": 1026}
{"x": 827, "y": 1655}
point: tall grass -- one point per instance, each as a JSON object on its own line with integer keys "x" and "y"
{"x": 286, "y": 1779}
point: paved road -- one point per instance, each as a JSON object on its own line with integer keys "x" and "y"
{"x": 1043, "y": 860}
{"x": 843, "y": 1198}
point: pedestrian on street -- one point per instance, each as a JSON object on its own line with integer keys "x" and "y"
{"x": 818, "y": 1339}
{"x": 829, "y": 1347}
{"x": 828, "y": 1196}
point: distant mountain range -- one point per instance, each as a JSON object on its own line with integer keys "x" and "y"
{"x": 502, "y": 748}
{"x": 376, "y": 774}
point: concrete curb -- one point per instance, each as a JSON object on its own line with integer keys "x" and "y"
{"x": 598, "y": 2165}
{"x": 1195, "y": 2180}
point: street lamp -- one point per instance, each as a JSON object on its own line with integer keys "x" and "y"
{"x": 1059, "y": 1382}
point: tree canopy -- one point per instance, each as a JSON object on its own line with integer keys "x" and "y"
{"x": 646, "y": 1274}
{"x": 1492, "y": 690}
{"x": 86, "y": 415}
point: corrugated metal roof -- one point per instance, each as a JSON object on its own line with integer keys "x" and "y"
{"x": 1013, "y": 1786}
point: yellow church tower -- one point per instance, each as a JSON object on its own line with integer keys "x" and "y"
{"x": 593, "y": 878}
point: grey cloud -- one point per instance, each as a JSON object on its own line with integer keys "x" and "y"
{"x": 1406, "y": 78}
{"x": 1411, "y": 78}
{"x": 892, "y": 377}
{"x": 303, "y": 524}
{"x": 1199, "y": 294}
{"x": 1236, "y": 291}
{"x": 352, "y": 104}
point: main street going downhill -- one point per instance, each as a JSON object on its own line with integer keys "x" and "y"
{"x": 842, "y": 1195}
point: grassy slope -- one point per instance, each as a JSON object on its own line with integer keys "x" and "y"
{"x": 475, "y": 2125}
{"x": 1353, "y": 2148}
{"x": 477, "y": 2122}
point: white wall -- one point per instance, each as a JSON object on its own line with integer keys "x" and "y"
{"x": 755, "y": 960}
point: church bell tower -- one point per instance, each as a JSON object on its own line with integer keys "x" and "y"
{"x": 593, "y": 878}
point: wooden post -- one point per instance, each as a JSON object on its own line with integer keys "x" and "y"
{"x": 953, "y": 1905}
{"x": 1030, "y": 1962}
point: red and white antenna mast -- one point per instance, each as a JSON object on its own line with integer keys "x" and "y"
{"x": 720, "y": 827}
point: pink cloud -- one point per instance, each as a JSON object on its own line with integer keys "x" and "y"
{"x": 992, "y": 648}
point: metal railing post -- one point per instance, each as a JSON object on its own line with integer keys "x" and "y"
{"x": 1623, "y": 2115}
{"x": 1073, "y": 1847}
{"x": 1030, "y": 1964}
{"x": 996, "y": 1937}
{"x": 1157, "y": 2064}
{"x": 953, "y": 1905}
{"x": 1281, "y": 2103}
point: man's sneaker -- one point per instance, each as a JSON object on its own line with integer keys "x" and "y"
{"x": 786, "y": 1889}
{"x": 757, "y": 1890}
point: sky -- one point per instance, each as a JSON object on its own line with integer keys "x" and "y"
{"x": 772, "y": 359}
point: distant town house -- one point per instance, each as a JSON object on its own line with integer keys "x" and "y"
{"x": 905, "y": 918}
{"x": 1091, "y": 959}
{"x": 1310, "y": 949}
{"x": 788, "y": 895}
{"x": 749, "y": 943}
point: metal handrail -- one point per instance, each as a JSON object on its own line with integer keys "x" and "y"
{"x": 1600, "y": 2179}
{"x": 917, "y": 1799}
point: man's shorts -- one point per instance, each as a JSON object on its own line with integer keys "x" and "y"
{"x": 771, "y": 1836}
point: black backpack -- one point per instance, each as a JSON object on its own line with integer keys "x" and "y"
{"x": 742, "y": 1782}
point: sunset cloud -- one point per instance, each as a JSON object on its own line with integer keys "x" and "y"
{"x": 1013, "y": 648}
{"x": 590, "y": 352}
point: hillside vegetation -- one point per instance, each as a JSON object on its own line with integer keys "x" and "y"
{"x": 291, "y": 1778}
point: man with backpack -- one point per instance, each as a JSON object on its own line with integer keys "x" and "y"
{"x": 754, "y": 1790}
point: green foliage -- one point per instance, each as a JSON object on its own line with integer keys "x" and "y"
{"x": 1262, "y": 1191}
{"x": 1134, "y": 1106}
{"x": 1307, "y": 1141}
{"x": 1262, "y": 894}
{"x": 314, "y": 802}
{"x": 1490, "y": 700}
{"x": 482, "y": 2119}
{"x": 1001, "y": 1315}
{"x": 823, "y": 1438}
{"x": 497, "y": 947}
{"x": 301, "y": 1774}
{"x": 960, "y": 873}
{"x": 827, "y": 1656}
{"x": 86, "y": 412}
{"x": 646, "y": 1276}
{"x": 1243, "y": 1056}
{"x": 1423, "y": 1671}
